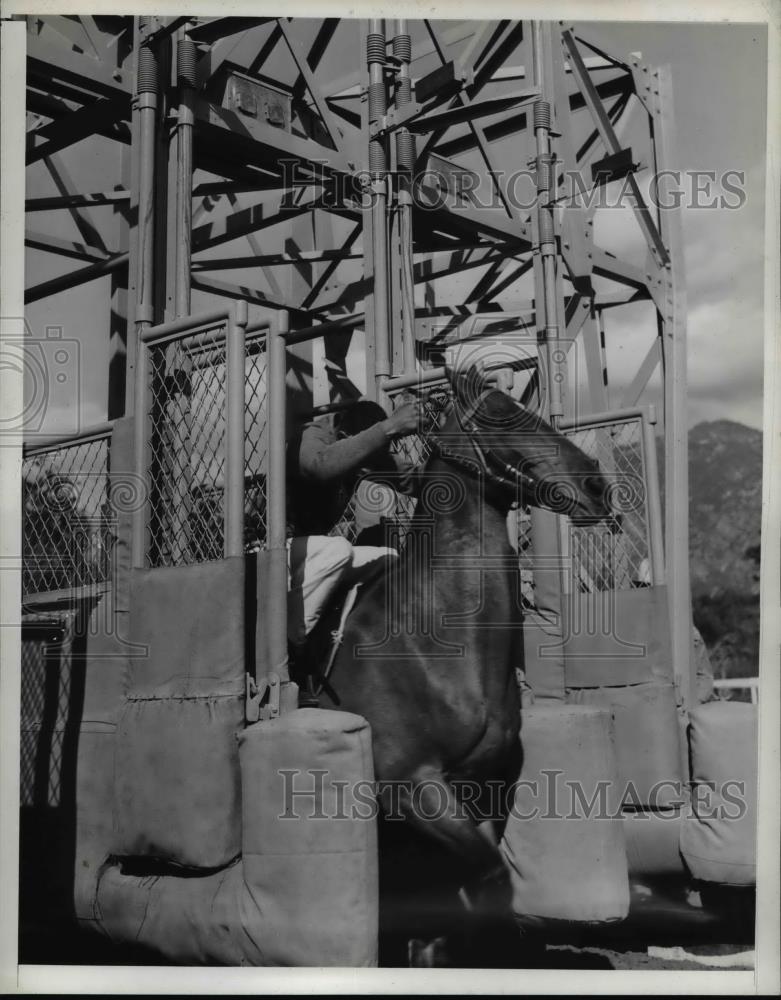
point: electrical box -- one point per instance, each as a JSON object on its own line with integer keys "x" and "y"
{"x": 257, "y": 100}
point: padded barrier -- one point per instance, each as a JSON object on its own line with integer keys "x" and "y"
{"x": 572, "y": 867}
{"x": 105, "y": 682}
{"x": 304, "y": 892}
{"x": 648, "y": 740}
{"x": 718, "y": 837}
{"x": 617, "y": 638}
{"x": 106, "y": 679}
{"x": 591, "y": 640}
{"x": 94, "y": 792}
{"x": 543, "y": 662}
{"x": 542, "y": 630}
{"x": 652, "y": 842}
{"x": 178, "y": 794}
{"x": 177, "y": 785}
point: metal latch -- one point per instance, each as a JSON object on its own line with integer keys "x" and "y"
{"x": 261, "y": 699}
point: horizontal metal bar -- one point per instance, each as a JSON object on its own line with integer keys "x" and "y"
{"x": 76, "y": 201}
{"x": 434, "y": 376}
{"x": 74, "y": 127}
{"x": 261, "y": 326}
{"x": 74, "y": 278}
{"x": 186, "y": 324}
{"x": 215, "y": 189}
{"x": 64, "y": 248}
{"x": 220, "y": 27}
{"x": 56, "y": 442}
{"x": 399, "y": 382}
{"x": 64, "y": 598}
{"x": 467, "y": 112}
{"x": 274, "y": 259}
{"x": 609, "y": 417}
{"x": 329, "y": 326}
{"x": 59, "y": 68}
{"x": 241, "y": 293}
{"x": 735, "y": 682}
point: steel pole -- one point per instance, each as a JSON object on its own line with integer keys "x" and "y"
{"x": 185, "y": 71}
{"x": 378, "y": 169}
{"x": 405, "y": 164}
{"x": 146, "y": 95}
{"x": 276, "y": 541}
{"x": 655, "y": 534}
{"x": 234, "y": 431}
{"x": 146, "y": 98}
{"x": 547, "y": 240}
{"x": 141, "y": 431}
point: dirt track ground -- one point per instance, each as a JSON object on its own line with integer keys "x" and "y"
{"x": 605, "y": 958}
{"x": 665, "y": 917}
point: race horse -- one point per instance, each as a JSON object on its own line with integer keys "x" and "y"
{"x": 430, "y": 654}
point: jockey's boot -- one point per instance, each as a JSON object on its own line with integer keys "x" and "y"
{"x": 301, "y": 673}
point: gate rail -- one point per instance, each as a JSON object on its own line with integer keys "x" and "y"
{"x": 203, "y": 435}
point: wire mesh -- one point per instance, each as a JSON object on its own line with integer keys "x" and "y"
{"x": 67, "y": 534}
{"x": 410, "y": 452}
{"x": 600, "y": 560}
{"x": 45, "y": 707}
{"x": 255, "y": 444}
{"x": 523, "y": 534}
{"x": 188, "y": 448}
{"x": 414, "y": 450}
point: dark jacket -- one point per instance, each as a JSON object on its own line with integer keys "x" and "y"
{"x": 323, "y": 470}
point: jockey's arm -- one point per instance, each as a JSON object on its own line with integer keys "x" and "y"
{"x": 323, "y": 459}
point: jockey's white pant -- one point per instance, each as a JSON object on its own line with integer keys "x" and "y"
{"x": 317, "y": 565}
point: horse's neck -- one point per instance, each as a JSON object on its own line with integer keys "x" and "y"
{"x": 453, "y": 507}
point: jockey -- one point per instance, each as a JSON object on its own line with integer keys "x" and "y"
{"x": 326, "y": 461}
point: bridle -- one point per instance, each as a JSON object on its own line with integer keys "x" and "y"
{"x": 487, "y": 464}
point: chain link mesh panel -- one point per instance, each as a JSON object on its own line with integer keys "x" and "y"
{"x": 415, "y": 449}
{"x": 523, "y": 534}
{"x": 66, "y": 518}
{"x": 255, "y": 444}
{"x": 188, "y": 442}
{"x": 601, "y": 560}
{"x": 187, "y": 449}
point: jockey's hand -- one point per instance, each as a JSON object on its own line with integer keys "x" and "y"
{"x": 404, "y": 420}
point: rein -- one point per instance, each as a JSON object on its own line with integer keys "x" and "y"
{"x": 486, "y": 461}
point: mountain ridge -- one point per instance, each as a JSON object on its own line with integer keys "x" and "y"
{"x": 725, "y": 513}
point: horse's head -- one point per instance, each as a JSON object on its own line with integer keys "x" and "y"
{"x": 521, "y": 455}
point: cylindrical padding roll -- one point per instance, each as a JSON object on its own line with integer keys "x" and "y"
{"x": 177, "y": 791}
{"x": 305, "y": 891}
{"x": 652, "y": 842}
{"x": 647, "y": 740}
{"x": 310, "y": 837}
{"x": 564, "y": 842}
{"x": 718, "y": 837}
{"x": 94, "y": 830}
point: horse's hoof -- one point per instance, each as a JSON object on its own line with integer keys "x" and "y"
{"x": 432, "y": 954}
